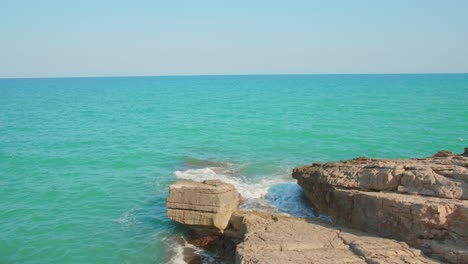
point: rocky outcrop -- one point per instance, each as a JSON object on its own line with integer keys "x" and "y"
{"x": 205, "y": 206}
{"x": 421, "y": 201}
{"x": 259, "y": 237}
{"x": 271, "y": 238}
{"x": 438, "y": 176}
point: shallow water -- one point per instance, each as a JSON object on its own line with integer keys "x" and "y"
{"x": 85, "y": 163}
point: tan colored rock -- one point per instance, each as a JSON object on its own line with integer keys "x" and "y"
{"x": 271, "y": 238}
{"x": 202, "y": 205}
{"x": 394, "y": 215}
{"x": 373, "y": 195}
{"x": 444, "y": 177}
{"x": 448, "y": 251}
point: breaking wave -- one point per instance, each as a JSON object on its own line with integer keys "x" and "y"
{"x": 180, "y": 251}
{"x": 277, "y": 194}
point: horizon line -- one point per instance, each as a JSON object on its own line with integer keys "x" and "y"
{"x": 226, "y": 75}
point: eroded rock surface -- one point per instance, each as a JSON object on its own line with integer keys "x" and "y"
{"x": 422, "y": 201}
{"x": 271, "y": 238}
{"x": 205, "y": 206}
{"x": 259, "y": 237}
{"x": 439, "y": 176}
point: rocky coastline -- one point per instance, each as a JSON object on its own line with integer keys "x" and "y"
{"x": 384, "y": 211}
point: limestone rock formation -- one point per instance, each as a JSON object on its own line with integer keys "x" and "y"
{"x": 422, "y": 201}
{"x": 438, "y": 176}
{"x": 259, "y": 237}
{"x": 205, "y": 206}
{"x": 271, "y": 238}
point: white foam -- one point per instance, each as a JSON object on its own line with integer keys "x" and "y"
{"x": 177, "y": 252}
{"x": 288, "y": 198}
{"x": 178, "y": 245}
{"x": 127, "y": 218}
{"x": 247, "y": 190}
{"x": 275, "y": 195}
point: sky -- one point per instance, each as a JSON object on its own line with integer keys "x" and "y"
{"x": 65, "y": 38}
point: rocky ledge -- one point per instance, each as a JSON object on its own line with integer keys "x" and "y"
{"x": 423, "y": 202}
{"x": 272, "y": 238}
{"x": 210, "y": 209}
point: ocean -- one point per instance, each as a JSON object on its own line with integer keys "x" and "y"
{"x": 85, "y": 163}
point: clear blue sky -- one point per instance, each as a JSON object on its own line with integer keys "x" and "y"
{"x": 110, "y": 38}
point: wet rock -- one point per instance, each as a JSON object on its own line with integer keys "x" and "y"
{"x": 465, "y": 154}
{"x": 443, "y": 153}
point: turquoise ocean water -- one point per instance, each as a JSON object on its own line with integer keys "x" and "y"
{"x": 85, "y": 163}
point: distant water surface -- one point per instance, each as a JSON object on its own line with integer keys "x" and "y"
{"x": 85, "y": 163}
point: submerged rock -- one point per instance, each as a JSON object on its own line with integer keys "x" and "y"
{"x": 204, "y": 206}
{"x": 443, "y": 153}
{"x": 421, "y": 201}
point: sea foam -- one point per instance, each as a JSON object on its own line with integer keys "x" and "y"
{"x": 247, "y": 190}
{"x": 179, "y": 249}
{"x": 275, "y": 195}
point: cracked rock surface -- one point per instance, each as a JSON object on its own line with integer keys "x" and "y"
{"x": 271, "y": 238}
{"x": 420, "y": 201}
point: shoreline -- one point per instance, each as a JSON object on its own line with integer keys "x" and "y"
{"x": 229, "y": 239}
